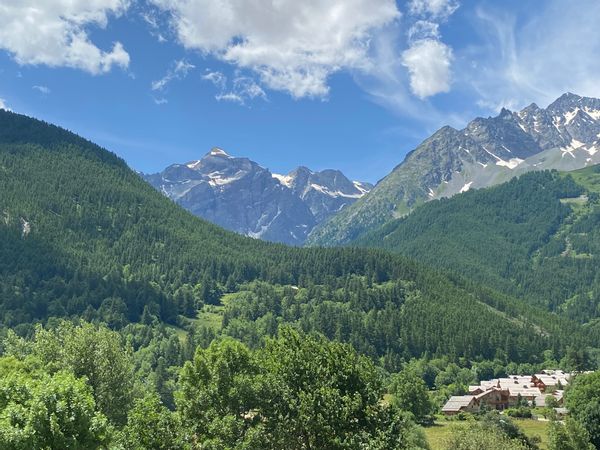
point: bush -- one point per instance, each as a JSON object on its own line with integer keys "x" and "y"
{"x": 520, "y": 412}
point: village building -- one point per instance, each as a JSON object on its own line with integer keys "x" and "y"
{"x": 494, "y": 398}
{"x": 550, "y": 380}
{"x": 461, "y": 403}
{"x": 502, "y": 393}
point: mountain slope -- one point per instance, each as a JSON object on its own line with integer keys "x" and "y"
{"x": 84, "y": 236}
{"x": 565, "y": 136}
{"x": 240, "y": 195}
{"x": 535, "y": 237}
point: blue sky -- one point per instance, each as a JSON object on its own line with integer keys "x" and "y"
{"x": 348, "y": 84}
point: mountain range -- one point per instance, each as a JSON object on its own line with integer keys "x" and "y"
{"x": 488, "y": 151}
{"x": 240, "y": 195}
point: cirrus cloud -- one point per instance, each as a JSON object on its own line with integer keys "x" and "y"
{"x": 242, "y": 88}
{"x": 440, "y": 9}
{"x": 53, "y": 33}
{"x": 42, "y": 89}
{"x": 518, "y": 64}
{"x": 291, "y": 45}
{"x": 178, "y": 71}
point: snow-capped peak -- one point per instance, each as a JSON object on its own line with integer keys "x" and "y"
{"x": 216, "y": 151}
{"x": 285, "y": 180}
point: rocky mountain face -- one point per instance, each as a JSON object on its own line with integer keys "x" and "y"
{"x": 489, "y": 151}
{"x": 240, "y": 195}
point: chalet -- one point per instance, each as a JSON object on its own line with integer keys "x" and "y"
{"x": 494, "y": 398}
{"x": 461, "y": 403}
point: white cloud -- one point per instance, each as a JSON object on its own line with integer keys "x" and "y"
{"x": 242, "y": 88}
{"x": 518, "y": 64}
{"x": 53, "y": 33}
{"x": 387, "y": 83}
{"x": 428, "y": 62}
{"x": 423, "y": 29}
{"x": 180, "y": 70}
{"x": 291, "y": 45}
{"x": 150, "y": 18}
{"x": 3, "y": 105}
{"x": 439, "y": 9}
{"x": 216, "y": 78}
{"x": 43, "y": 89}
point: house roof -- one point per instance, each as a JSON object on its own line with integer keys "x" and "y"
{"x": 552, "y": 380}
{"x": 491, "y": 390}
{"x": 456, "y": 402}
{"x": 524, "y": 392}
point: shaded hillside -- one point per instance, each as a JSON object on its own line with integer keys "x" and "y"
{"x": 83, "y": 236}
{"x": 536, "y": 237}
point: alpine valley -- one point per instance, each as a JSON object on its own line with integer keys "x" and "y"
{"x": 128, "y": 322}
{"x": 232, "y": 225}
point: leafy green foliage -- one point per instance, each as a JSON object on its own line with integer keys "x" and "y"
{"x": 39, "y": 410}
{"x": 152, "y": 426}
{"x": 583, "y": 401}
{"x": 410, "y": 393}
{"x": 299, "y": 392}
{"x": 491, "y": 431}
{"x": 96, "y": 353}
{"x": 569, "y": 436}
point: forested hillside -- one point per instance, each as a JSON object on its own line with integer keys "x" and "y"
{"x": 83, "y": 236}
{"x": 536, "y": 237}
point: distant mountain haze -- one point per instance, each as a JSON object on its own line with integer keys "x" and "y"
{"x": 240, "y": 195}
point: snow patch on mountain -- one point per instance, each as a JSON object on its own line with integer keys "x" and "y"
{"x": 574, "y": 145}
{"x": 466, "y": 187}
{"x": 193, "y": 164}
{"x": 285, "y": 180}
{"x": 511, "y": 163}
{"x": 593, "y": 113}
{"x": 218, "y": 179}
{"x": 570, "y": 115}
{"x": 364, "y": 189}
